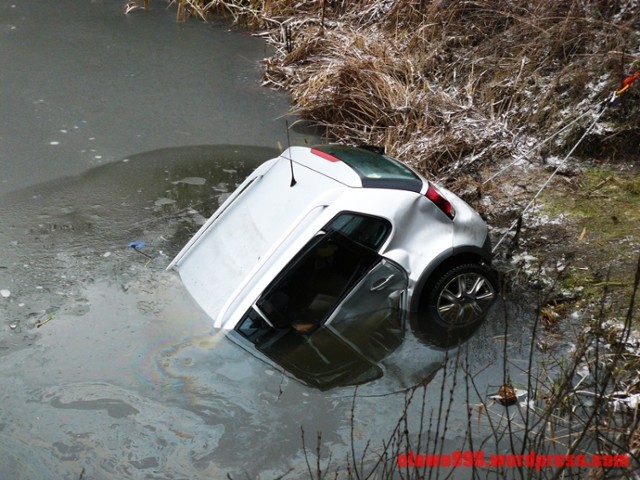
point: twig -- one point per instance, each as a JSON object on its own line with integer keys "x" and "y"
{"x": 46, "y": 320}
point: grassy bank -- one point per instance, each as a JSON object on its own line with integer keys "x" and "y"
{"x": 450, "y": 86}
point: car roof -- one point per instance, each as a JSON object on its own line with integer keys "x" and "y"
{"x": 266, "y": 215}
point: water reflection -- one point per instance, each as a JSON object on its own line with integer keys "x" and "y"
{"x": 331, "y": 357}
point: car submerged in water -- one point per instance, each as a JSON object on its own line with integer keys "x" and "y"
{"x": 326, "y": 251}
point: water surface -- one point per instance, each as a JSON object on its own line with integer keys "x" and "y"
{"x": 108, "y": 365}
{"x": 83, "y": 84}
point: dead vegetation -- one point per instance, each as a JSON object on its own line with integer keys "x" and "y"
{"x": 448, "y": 86}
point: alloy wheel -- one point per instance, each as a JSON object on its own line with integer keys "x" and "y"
{"x": 465, "y": 298}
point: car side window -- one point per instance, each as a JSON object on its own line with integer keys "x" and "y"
{"x": 366, "y": 230}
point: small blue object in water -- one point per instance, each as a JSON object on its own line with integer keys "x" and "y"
{"x": 136, "y": 245}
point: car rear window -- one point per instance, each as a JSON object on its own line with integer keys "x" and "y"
{"x": 375, "y": 170}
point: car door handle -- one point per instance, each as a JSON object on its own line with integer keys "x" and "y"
{"x": 381, "y": 283}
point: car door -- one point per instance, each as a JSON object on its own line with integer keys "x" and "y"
{"x": 364, "y": 327}
{"x": 371, "y": 317}
{"x": 336, "y": 309}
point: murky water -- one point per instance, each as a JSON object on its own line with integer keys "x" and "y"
{"x": 106, "y": 364}
{"x": 83, "y": 84}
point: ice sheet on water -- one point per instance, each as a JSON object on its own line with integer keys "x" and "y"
{"x": 191, "y": 181}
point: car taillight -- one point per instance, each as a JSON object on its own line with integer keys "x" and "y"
{"x": 325, "y": 155}
{"x": 441, "y": 202}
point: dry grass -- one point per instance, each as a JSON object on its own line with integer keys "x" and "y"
{"x": 445, "y": 86}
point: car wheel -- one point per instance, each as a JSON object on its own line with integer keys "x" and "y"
{"x": 462, "y": 297}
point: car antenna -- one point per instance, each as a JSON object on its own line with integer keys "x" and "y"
{"x": 293, "y": 178}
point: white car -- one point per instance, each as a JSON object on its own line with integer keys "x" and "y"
{"x": 343, "y": 241}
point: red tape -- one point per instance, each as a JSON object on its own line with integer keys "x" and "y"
{"x": 627, "y": 82}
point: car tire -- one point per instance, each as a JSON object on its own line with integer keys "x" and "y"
{"x": 461, "y": 297}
